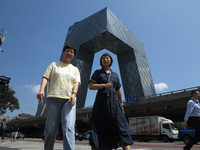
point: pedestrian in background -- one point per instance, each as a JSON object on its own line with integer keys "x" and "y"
{"x": 3, "y": 128}
{"x": 109, "y": 125}
{"x": 14, "y": 134}
{"x": 64, "y": 80}
{"x": 193, "y": 115}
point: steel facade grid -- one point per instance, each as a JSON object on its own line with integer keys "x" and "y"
{"x": 103, "y": 30}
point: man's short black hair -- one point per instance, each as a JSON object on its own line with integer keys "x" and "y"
{"x": 194, "y": 92}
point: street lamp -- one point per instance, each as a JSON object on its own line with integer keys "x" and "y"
{"x": 2, "y": 38}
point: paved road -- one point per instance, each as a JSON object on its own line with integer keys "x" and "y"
{"x": 37, "y": 144}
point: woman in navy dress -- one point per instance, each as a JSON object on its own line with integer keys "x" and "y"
{"x": 109, "y": 126}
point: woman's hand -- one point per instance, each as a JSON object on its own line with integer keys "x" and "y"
{"x": 72, "y": 99}
{"x": 40, "y": 95}
{"x": 41, "y": 92}
{"x": 95, "y": 86}
{"x": 109, "y": 85}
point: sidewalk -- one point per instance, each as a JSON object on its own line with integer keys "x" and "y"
{"x": 37, "y": 144}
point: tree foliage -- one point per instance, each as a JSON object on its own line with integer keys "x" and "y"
{"x": 179, "y": 125}
{"x": 12, "y": 102}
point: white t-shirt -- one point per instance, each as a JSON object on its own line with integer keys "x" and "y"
{"x": 62, "y": 77}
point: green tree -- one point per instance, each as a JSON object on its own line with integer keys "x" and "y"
{"x": 12, "y": 102}
{"x": 179, "y": 125}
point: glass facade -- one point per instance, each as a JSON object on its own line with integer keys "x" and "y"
{"x": 103, "y": 30}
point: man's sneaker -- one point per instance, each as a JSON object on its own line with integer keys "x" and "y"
{"x": 2, "y": 140}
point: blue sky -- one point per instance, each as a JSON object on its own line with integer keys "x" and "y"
{"x": 36, "y": 31}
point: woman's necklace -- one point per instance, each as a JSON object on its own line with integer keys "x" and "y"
{"x": 109, "y": 79}
{"x": 109, "y": 76}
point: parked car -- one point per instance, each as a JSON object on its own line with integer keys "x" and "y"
{"x": 20, "y": 135}
{"x": 78, "y": 136}
{"x": 87, "y": 135}
{"x": 186, "y": 134}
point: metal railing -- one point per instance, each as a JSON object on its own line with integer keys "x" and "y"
{"x": 172, "y": 92}
{"x": 142, "y": 98}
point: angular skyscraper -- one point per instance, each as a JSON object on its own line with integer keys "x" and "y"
{"x": 103, "y": 30}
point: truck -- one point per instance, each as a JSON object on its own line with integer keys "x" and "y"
{"x": 148, "y": 128}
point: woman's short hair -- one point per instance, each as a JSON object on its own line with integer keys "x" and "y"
{"x": 106, "y": 54}
{"x": 68, "y": 46}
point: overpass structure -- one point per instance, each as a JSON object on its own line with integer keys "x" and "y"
{"x": 171, "y": 105}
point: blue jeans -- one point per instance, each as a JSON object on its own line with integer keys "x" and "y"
{"x": 55, "y": 109}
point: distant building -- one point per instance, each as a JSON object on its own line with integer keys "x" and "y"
{"x": 20, "y": 116}
{"x": 5, "y": 117}
{"x": 25, "y": 116}
{"x": 103, "y": 30}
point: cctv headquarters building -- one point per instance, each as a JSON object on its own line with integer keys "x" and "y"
{"x": 103, "y": 30}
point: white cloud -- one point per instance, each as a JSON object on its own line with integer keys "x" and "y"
{"x": 34, "y": 88}
{"x": 160, "y": 87}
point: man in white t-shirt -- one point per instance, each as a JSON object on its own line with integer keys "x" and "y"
{"x": 64, "y": 80}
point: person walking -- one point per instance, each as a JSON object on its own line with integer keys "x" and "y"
{"x": 14, "y": 134}
{"x": 109, "y": 125}
{"x": 64, "y": 80}
{"x": 193, "y": 115}
{"x": 3, "y": 128}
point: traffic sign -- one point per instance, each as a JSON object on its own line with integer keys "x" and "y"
{"x": 132, "y": 100}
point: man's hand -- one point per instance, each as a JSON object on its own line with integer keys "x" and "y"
{"x": 185, "y": 123}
